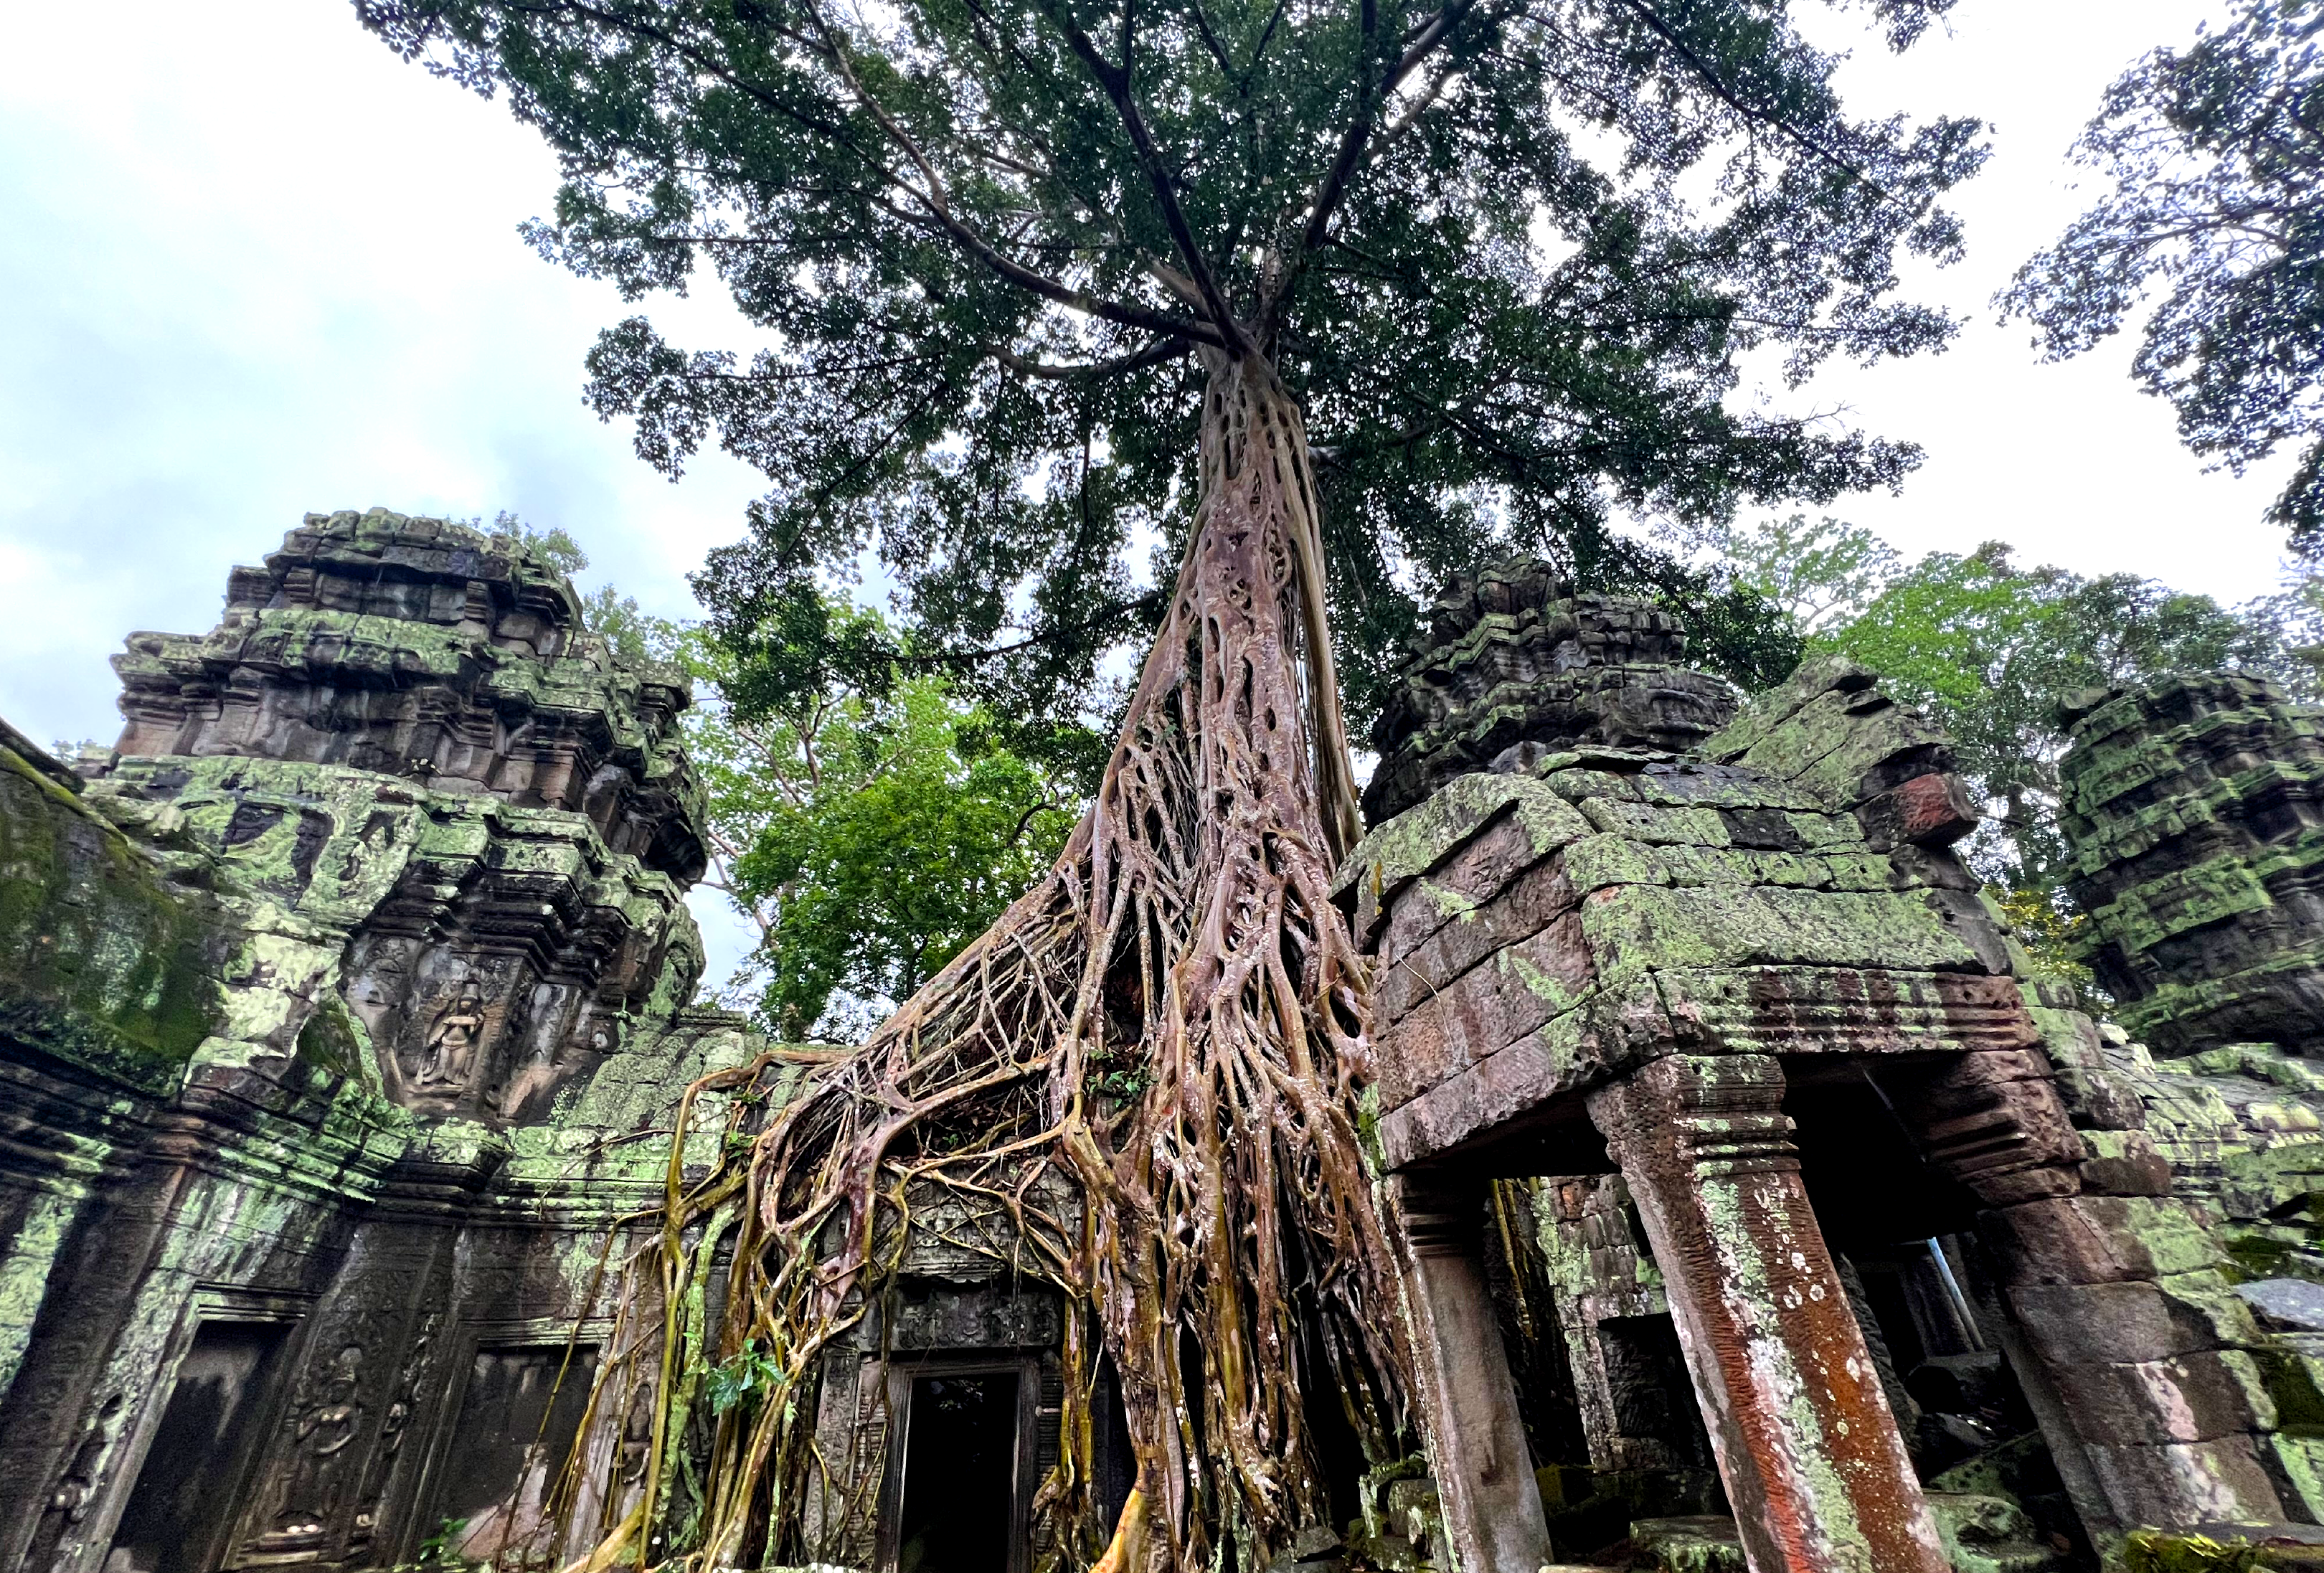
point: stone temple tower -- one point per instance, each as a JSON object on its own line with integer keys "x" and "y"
{"x": 339, "y": 1005}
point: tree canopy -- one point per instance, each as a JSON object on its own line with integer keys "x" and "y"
{"x": 868, "y": 834}
{"x": 1504, "y": 252}
{"x": 1991, "y": 649}
{"x": 2216, "y": 156}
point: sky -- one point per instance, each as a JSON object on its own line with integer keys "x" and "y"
{"x": 254, "y": 266}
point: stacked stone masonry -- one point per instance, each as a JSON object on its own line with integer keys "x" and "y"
{"x": 1740, "y": 1028}
{"x": 334, "y": 1004}
{"x": 1758, "y": 1203}
{"x": 345, "y": 1014}
{"x": 2195, "y": 805}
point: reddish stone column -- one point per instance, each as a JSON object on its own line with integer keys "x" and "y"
{"x": 1477, "y": 1440}
{"x": 1817, "y": 1474}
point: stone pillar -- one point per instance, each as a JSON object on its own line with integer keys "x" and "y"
{"x": 2117, "y": 1289}
{"x": 1477, "y": 1440}
{"x": 1818, "y": 1477}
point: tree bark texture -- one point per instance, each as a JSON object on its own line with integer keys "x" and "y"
{"x": 1138, "y": 1087}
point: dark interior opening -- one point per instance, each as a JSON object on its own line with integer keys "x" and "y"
{"x": 960, "y": 1476}
{"x": 1525, "y": 1302}
{"x": 187, "y": 1494}
{"x": 519, "y": 1413}
{"x": 1653, "y": 1396}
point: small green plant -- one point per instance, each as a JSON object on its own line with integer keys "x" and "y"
{"x": 745, "y": 1376}
{"x": 436, "y": 1554}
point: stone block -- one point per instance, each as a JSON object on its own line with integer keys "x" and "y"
{"x": 2191, "y": 1398}
{"x": 2123, "y": 1164}
{"x": 2007, "y": 1142}
{"x": 2297, "y": 1464}
{"x": 2095, "y": 1100}
{"x": 1988, "y": 1534}
{"x": 2084, "y": 1324}
{"x": 1428, "y": 836}
{"x": 1655, "y": 823}
{"x": 2101, "y": 1239}
{"x": 1842, "y": 1010}
{"x": 1511, "y": 993}
{"x": 2185, "y": 1483}
{"x": 1934, "y": 810}
{"x": 2290, "y": 1304}
{"x": 1984, "y": 1069}
{"x": 1687, "y": 1545}
{"x": 1636, "y": 928}
{"x": 1464, "y": 933}
{"x": 1416, "y": 1054}
{"x": 2206, "y": 1309}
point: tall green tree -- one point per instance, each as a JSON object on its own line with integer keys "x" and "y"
{"x": 868, "y": 835}
{"x": 1044, "y": 282}
{"x": 1503, "y": 254}
{"x": 1816, "y": 575}
{"x": 2215, "y": 154}
{"x": 1990, "y": 649}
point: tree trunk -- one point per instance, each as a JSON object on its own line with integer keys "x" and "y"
{"x": 1139, "y": 1086}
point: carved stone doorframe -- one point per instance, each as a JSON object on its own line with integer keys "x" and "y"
{"x": 900, "y": 1376}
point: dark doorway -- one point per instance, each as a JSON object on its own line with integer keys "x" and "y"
{"x": 519, "y": 1413}
{"x": 190, "y": 1489}
{"x": 960, "y": 1476}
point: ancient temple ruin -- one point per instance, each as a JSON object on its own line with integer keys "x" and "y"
{"x": 331, "y": 1004}
{"x": 1954, "y": 1276}
{"x": 1758, "y": 1202}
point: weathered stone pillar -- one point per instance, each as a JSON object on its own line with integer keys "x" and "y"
{"x": 2116, "y": 1287}
{"x": 1483, "y": 1467}
{"x": 1818, "y": 1477}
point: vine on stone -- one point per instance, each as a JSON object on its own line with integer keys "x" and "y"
{"x": 1139, "y": 1088}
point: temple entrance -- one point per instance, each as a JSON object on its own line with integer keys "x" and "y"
{"x": 519, "y": 1411}
{"x": 189, "y": 1488}
{"x": 958, "y": 1511}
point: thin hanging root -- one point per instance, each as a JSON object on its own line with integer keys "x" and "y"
{"x": 1139, "y": 1088}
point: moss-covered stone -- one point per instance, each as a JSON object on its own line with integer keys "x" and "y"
{"x": 104, "y": 960}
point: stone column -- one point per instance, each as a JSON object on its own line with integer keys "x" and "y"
{"x": 1818, "y": 1477}
{"x": 2116, "y": 1288}
{"x": 1477, "y": 1440}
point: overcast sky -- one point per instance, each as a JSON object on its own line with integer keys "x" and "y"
{"x": 251, "y": 266}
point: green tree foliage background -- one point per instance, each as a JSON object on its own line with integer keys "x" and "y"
{"x": 1990, "y": 649}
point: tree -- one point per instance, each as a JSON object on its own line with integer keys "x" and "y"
{"x": 1818, "y": 575}
{"x": 1991, "y": 650}
{"x": 2216, "y": 156}
{"x": 1045, "y": 280}
{"x": 870, "y": 836}
{"x": 989, "y": 250}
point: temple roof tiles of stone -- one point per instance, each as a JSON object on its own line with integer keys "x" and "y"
{"x": 427, "y": 649}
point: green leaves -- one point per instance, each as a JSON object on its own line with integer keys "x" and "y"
{"x": 747, "y": 1376}
{"x": 1990, "y": 649}
{"x": 1505, "y": 253}
{"x": 920, "y": 831}
{"x": 869, "y": 822}
{"x": 2216, "y": 153}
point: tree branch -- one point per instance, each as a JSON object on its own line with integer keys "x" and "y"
{"x": 1333, "y": 187}
{"x": 1725, "y": 95}
{"x": 1116, "y": 81}
{"x": 1153, "y": 355}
